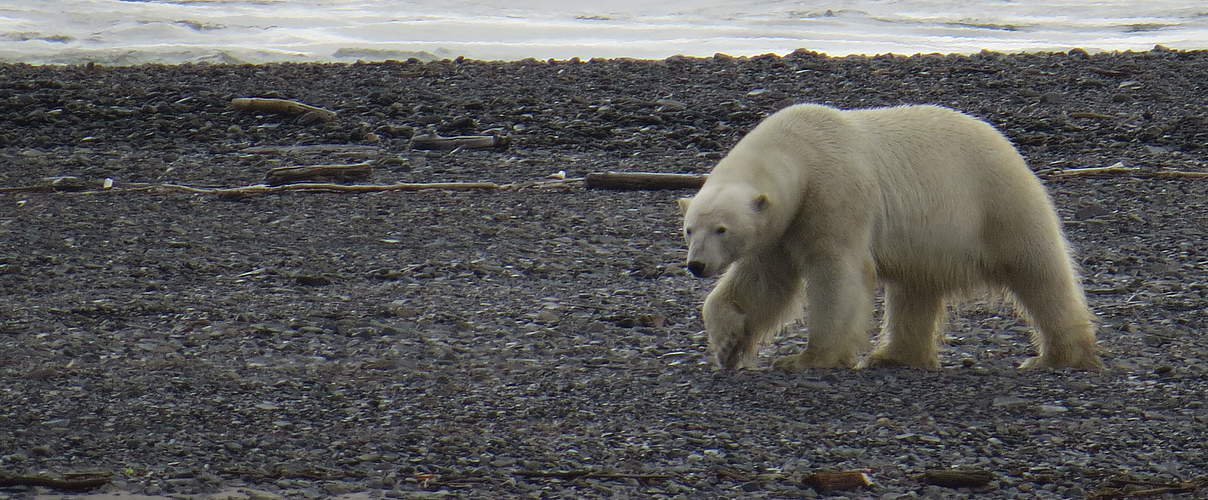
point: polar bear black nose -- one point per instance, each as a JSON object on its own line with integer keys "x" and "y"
{"x": 697, "y": 268}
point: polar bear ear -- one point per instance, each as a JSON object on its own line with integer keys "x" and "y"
{"x": 761, "y": 202}
{"x": 683, "y": 204}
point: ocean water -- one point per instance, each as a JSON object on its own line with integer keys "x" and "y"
{"x": 257, "y": 31}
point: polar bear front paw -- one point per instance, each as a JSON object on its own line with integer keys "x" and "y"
{"x": 808, "y": 359}
{"x": 732, "y": 357}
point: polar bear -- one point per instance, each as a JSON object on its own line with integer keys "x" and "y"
{"x": 816, "y": 205}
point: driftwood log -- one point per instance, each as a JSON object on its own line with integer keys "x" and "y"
{"x": 287, "y": 178}
{"x": 308, "y": 114}
{"x": 245, "y": 191}
{"x": 835, "y": 481}
{"x": 587, "y": 474}
{"x": 70, "y": 482}
{"x": 1126, "y": 487}
{"x": 67, "y": 183}
{"x": 1120, "y": 169}
{"x": 430, "y": 141}
{"x": 331, "y": 149}
{"x": 957, "y": 478}
{"x": 259, "y": 189}
{"x": 323, "y": 173}
{"x": 642, "y": 180}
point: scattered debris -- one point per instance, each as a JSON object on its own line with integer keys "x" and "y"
{"x": 307, "y": 114}
{"x": 325, "y": 173}
{"x": 587, "y": 474}
{"x": 75, "y": 481}
{"x": 1130, "y": 487}
{"x": 1118, "y": 168}
{"x": 643, "y": 180}
{"x": 958, "y": 478}
{"x": 842, "y": 480}
{"x": 433, "y": 141}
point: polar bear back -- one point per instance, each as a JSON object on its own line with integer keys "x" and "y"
{"x": 947, "y": 200}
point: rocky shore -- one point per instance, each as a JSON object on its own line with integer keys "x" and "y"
{"x": 542, "y": 339}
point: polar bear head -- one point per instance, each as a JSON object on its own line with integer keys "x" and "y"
{"x": 721, "y": 226}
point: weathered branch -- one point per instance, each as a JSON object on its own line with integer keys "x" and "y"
{"x": 278, "y": 182}
{"x": 72, "y": 482}
{"x": 581, "y": 474}
{"x": 325, "y": 173}
{"x": 334, "y": 149}
{"x": 256, "y": 189}
{"x": 1119, "y": 488}
{"x": 643, "y": 180}
{"x": 429, "y": 141}
{"x": 62, "y": 183}
{"x": 842, "y": 480}
{"x": 1120, "y": 169}
{"x": 308, "y": 113}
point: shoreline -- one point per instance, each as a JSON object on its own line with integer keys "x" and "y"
{"x": 226, "y": 57}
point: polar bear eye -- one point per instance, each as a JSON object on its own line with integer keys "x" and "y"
{"x": 721, "y": 230}
{"x": 688, "y": 232}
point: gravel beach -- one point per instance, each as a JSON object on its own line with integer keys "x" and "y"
{"x": 544, "y": 340}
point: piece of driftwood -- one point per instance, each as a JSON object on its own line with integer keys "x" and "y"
{"x": 430, "y": 141}
{"x": 958, "y": 478}
{"x": 67, "y": 183}
{"x": 605, "y": 180}
{"x": 1119, "y": 169}
{"x": 336, "y": 149}
{"x": 642, "y": 181}
{"x": 70, "y": 482}
{"x": 1131, "y": 488}
{"x": 581, "y": 474}
{"x": 841, "y": 480}
{"x": 306, "y": 112}
{"x": 324, "y": 173}
{"x": 258, "y": 189}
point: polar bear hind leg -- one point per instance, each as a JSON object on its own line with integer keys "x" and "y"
{"x": 1065, "y": 332}
{"x": 911, "y": 335}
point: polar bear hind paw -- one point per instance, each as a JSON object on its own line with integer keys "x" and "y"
{"x": 876, "y": 360}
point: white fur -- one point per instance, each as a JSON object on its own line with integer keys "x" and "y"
{"x": 818, "y": 204}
